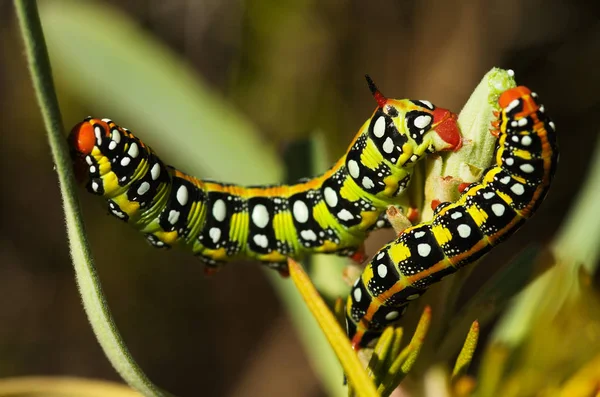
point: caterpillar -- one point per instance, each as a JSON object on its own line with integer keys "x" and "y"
{"x": 459, "y": 233}
{"x": 217, "y": 222}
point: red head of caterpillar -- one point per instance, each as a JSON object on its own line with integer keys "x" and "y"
{"x": 331, "y": 213}
{"x": 486, "y": 214}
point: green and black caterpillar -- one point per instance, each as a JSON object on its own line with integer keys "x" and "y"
{"x": 486, "y": 214}
{"x": 217, "y": 222}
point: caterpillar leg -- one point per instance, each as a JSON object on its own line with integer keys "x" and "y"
{"x": 210, "y": 270}
{"x": 211, "y": 266}
{"x": 360, "y": 256}
{"x": 280, "y": 267}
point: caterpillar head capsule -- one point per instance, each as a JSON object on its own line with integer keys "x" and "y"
{"x": 82, "y": 140}
{"x": 81, "y": 143}
{"x": 421, "y": 117}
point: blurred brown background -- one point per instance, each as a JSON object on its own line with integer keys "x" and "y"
{"x": 290, "y": 67}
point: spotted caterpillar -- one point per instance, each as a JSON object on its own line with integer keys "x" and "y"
{"x": 486, "y": 213}
{"x": 331, "y": 213}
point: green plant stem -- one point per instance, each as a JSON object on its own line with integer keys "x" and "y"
{"x": 88, "y": 283}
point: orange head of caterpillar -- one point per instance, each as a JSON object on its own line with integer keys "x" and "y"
{"x": 517, "y": 102}
{"x": 422, "y": 117}
{"x": 82, "y": 140}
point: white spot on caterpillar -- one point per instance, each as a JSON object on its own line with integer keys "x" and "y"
{"x": 414, "y": 158}
{"x": 125, "y": 161}
{"x": 174, "y": 216}
{"x": 331, "y": 197}
{"x": 215, "y": 234}
{"x": 367, "y": 183}
{"x": 424, "y": 249}
{"x": 542, "y": 108}
{"x": 456, "y": 215}
{"x": 260, "y": 216}
{"x": 182, "y": 195}
{"x": 98, "y": 134}
{"x": 381, "y": 254}
{"x": 419, "y": 234}
{"x": 382, "y": 271}
{"x": 95, "y": 186}
{"x": 107, "y": 121}
{"x": 518, "y": 189}
{"x": 505, "y": 180}
{"x": 353, "y": 169}
{"x": 427, "y": 104}
{"x": 463, "y": 230}
{"x": 300, "y": 211}
{"x": 379, "y": 127}
{"x": 392, "y": 315}
{"x": 155, "y": 171}
{"x": 345, "y": 215}
{"x": 509, "y": 161}
{"x": 510, "y": 72}
{"x": 112, "y": 145}
{"x": 219, "y": 210}
{"x": 515, "y": 138}
{"x": 423, "y": 121}
{"x": 526, "y": 140}
{"x": 512, "y": 105}
{"x": 261, "y": 240}
{"x": 357, "y": 294}
{"x": 551, "y": 124}
{"x": 488, "y": 195}
{"x": 118, "y": 213}
{"x": 115, "y": 136}
{"x": 380, "y": 223}
{"x": 143, "y": 189}
{"x": 133, "y": 150}
{"x": 498, "y": 209}
{"x": 308, "y": 235}
{"x": 388, "y": 145}
{"x": 528, "y": 168}
{"x": 93, "y": 169}
{"x": 523, "y": 122}
{"x": 88, "y": 159}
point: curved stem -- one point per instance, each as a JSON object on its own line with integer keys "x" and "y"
{"x": 88, "y": 283}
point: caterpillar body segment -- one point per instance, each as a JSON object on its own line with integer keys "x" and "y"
{"x": 459, "y": 233}
{"x": 331, "y": 213}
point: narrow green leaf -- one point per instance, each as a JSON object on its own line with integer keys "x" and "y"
{"x": 381, "y": 354}
{"x": 406, "y": 359}
{"x": 466, "y": 353}
{"x": 357, "y": 376}
{"x": 87, "y": 279}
